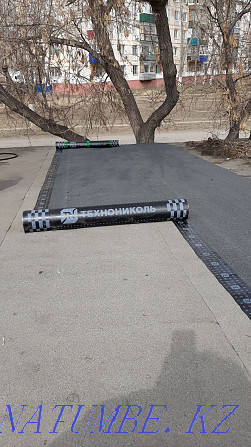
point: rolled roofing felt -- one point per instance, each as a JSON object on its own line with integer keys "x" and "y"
{"x": 82, "y": 144}
{"x": 67, "y": 218}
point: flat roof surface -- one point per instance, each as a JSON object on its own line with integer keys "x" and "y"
{"x": 219, "y": 199}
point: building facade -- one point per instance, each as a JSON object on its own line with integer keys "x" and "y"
{"x": 135, "y": 46}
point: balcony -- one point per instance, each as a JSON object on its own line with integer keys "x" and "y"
{"x": 192, "y": 51}
{"x": 203, "y": 58}
{"x": 148, "y": 38}
{"x": 42, "y": 88}
{"x": 147, "y": 57}
{"x": 146, "y": 18}
{"x": 92, "y": 59}
{"x": 192, "y": 58}
{"x": 194, "y": 41}
{"x": 147, "y": 76}
{"x": 236, "y": 30}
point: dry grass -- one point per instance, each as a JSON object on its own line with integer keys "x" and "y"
{"x": 225, "y": 149}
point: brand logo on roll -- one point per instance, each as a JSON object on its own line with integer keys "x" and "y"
{"x": 69, "y": 216}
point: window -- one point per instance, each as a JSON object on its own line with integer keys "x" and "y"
{"x": 191, "y": 67}
{"x": 99, "y": 71}
{"x": 175, "y": 33}
{"x": 158, "y": 69}
{"x": 147, "y": 28}
{"x": 146, "y": 68}
{"x": 122, "y": 50}
{"x": 121, "y": 27}
{"x": 153, "y": 29}
{"x": 145, "y": 50}
{"x": 134, "y": 10}
{"x": 122, "y": 68}
{"x": 198, "y": 67}
{"x": 176, "y": 15}
{"x": 135, "y": 50}
{"x": 135, "y": 69}
{"x": 184, "y": 35}
{"x": 96, "y": 70}
{"x": 54, "y": 49}
{"x": 184, "y": 17}
{"x": 55, "y": 72}
{"x": 175, "y": 51}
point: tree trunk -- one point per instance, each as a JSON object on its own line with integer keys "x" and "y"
{"x": 111, "y": 66}
{"x": 146, "y": 131}
{"x": 232, "y": 94}
{"x": 143, "y": 131}
{"x": 145, "y": 134}
{"x": 234, "y": 132}
{"x": 47, "y": 125}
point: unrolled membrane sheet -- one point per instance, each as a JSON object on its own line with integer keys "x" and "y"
{"x": 84, "y": 144}
{"x": 67, "y": 218}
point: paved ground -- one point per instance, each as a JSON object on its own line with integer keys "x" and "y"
{"x": 125, "y": 137}
{"x": 121, "y": 133}
{"x": 114, "y": 316}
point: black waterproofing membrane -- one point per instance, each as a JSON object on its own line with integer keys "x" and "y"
{"x": 83, "y": 144}
{"x": 129, "y": 213}
{"x": 138, "y": 178}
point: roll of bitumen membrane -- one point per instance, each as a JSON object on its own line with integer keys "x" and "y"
{"x": 83, "y": 144}
{"x": 67, "y": 218}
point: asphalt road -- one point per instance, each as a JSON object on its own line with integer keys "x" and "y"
{"x": 219, "y": 199}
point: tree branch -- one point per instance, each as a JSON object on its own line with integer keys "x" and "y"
{"x": 165, "y": 45}
{"x": 47, "y": 125}
{"x": 211, "y": 14}
{"x": 242, "y": 77}
{"x": 219, "y": 16}
{"x": 210, "y": 34}
{"x": 109, "y": 5}
{"x": 111, "y": 65}
{"x": 244, "y": 11}
{"x": 84, "y": 45}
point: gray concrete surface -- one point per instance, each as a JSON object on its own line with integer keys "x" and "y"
{"x": 123, "y": 134}
{"x": 114, "y": 316}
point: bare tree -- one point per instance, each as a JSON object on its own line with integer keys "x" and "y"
{"x": 229, "y": 36}
{"x": 25, "y": 62}
{"x": 34, "y": 33}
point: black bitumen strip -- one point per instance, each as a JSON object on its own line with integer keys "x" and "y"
{"x": 46, "y": 190}
{"x": 235, "y": 286}
{"x": 219, "y": 199}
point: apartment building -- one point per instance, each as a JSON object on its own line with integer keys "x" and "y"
{"x": 203, "y": 55}
{"x": 178, "y": 11}
{"x": 135, "y": 45}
